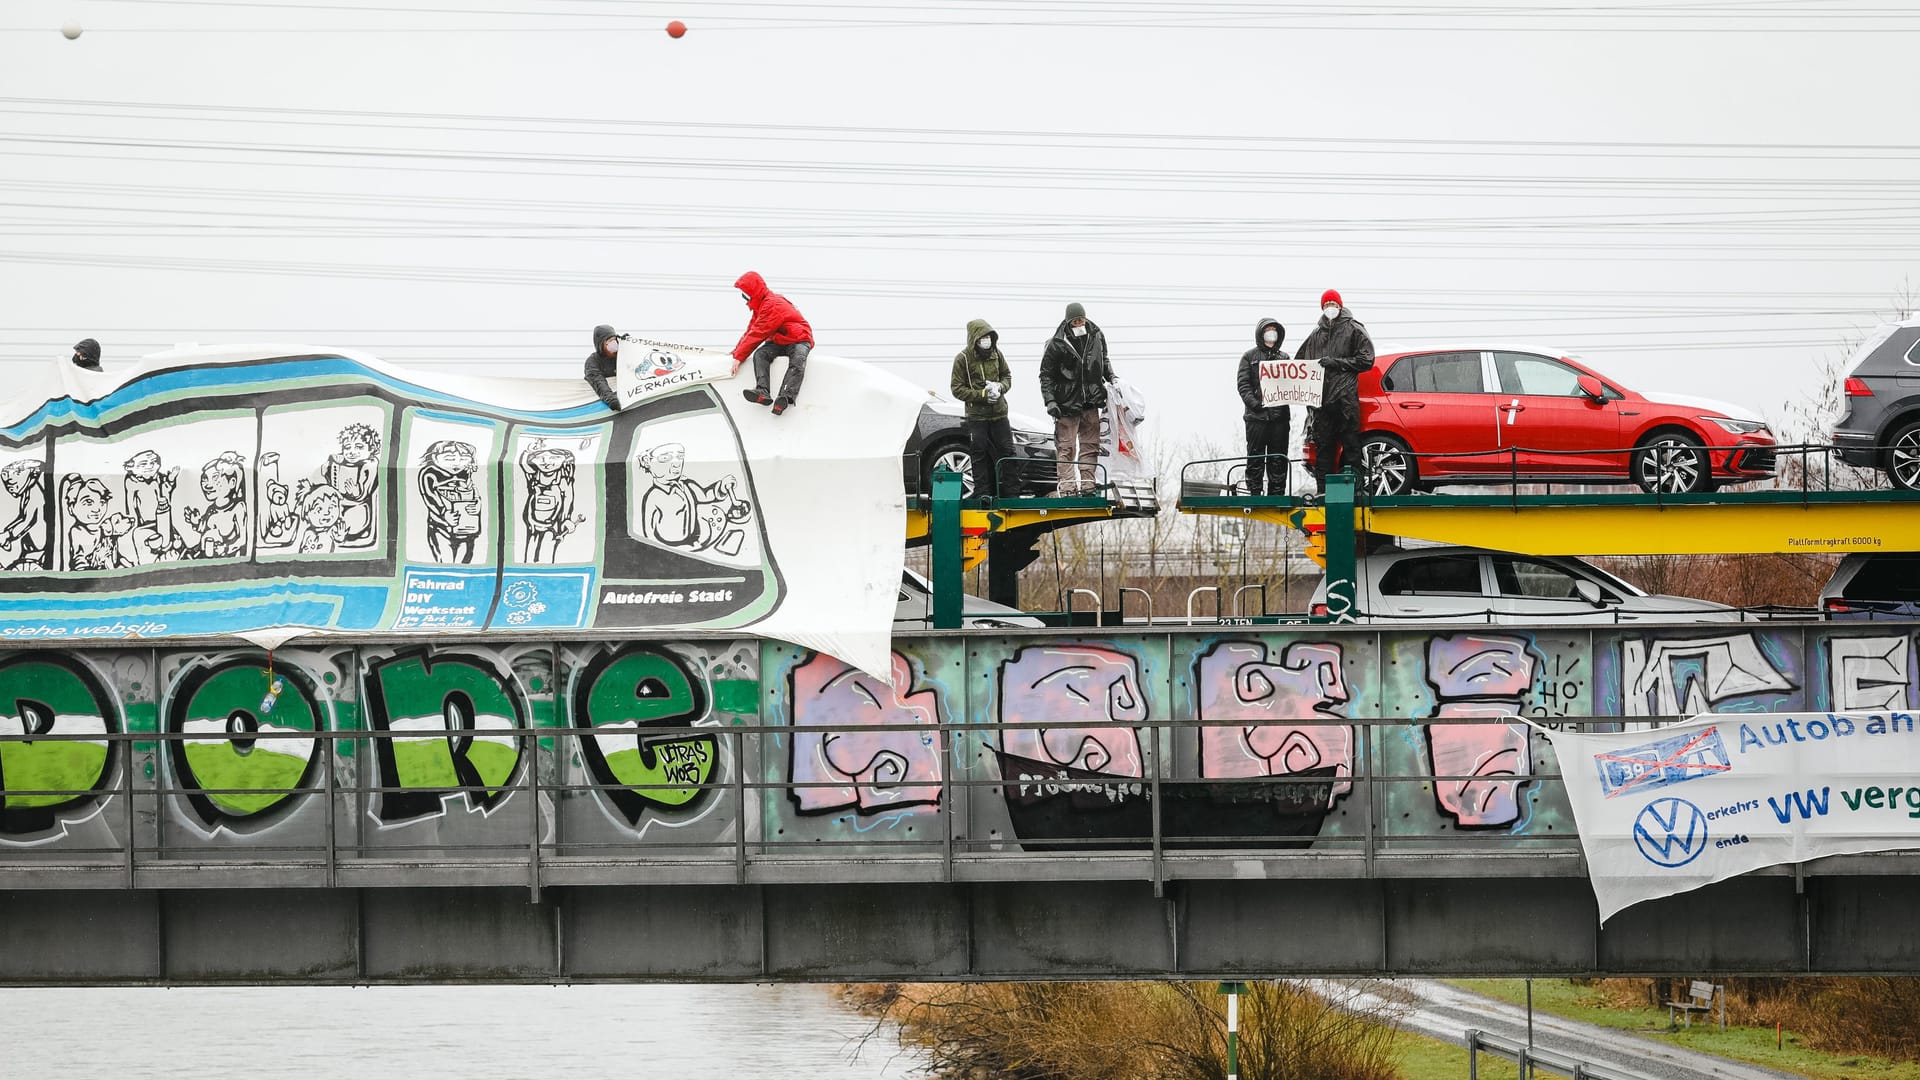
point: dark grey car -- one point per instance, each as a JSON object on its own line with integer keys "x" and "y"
{"x": 1881, "y": 428}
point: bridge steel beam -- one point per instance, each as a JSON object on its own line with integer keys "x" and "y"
{"x": 1200, "y": 929}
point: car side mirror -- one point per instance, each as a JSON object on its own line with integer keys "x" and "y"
{"x": 1590, "y": 387}
{"x": 1589, "y": 592}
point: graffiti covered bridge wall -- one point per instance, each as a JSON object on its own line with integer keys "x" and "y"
{"x": 1309, "y": 739}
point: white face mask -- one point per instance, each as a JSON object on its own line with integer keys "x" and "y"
{"x": 1271, "y": 337}
{"x": 1079, "y": 331}
{"x": 745, "y": 299}
{"x": 613, "y": 346}
{"x": 985, "y": 344}
{"x": 1331, "y": 311}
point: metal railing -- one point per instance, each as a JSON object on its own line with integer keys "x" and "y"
{"x": 1479, "y": 1042}
{"x": 956, "y": 796}
{"x": 1815, "y": 469}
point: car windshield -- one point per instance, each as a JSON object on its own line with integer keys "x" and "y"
{"x": 1885, "y": 577}
{"x": 1626, "y": 588}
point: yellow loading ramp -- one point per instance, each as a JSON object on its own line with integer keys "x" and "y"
{"x": 1618, "y": 524}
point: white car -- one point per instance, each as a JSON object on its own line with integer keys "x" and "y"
{"x": 915, "y": 609}
{"x": 1470, "y": 584}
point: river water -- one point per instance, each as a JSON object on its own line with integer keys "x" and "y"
{"x": 427, "y": 1032}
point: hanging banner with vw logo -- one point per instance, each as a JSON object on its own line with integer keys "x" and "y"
{"x": 647, "y": 369}
{"x": 1662, "y": 812}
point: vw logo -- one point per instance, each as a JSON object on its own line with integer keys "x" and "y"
{"x": 1670, "y": 832}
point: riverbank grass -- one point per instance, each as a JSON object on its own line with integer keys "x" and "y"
{"x": 1559, "y": 997}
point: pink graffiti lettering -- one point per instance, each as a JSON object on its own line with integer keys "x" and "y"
{"x": 1092, "y": 692}
{"x": 868, "y": 771}
{"x": 1479, "y": 675}
{"x": 1237, "y": 681}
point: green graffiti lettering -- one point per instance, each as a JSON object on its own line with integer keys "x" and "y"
{"x": 620, "y": 695}
{"x": 464, "y": 713}
{"x": 229, "y": 771}
{"x": 47, "y": 696}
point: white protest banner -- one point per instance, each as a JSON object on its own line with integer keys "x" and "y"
{"x": 1290, "y": 382}
{"x": 1120, "y": 450}
{"x": 273, "y": 490}
{"x": 650, "y": 368}
{"x": 1665, "y": 811}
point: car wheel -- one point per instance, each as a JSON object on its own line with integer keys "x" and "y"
{"x": 1670, "y": 463}
{"x": 1903, "y": 458}
{"x": 1387, "y": 466}
{"x": 953, "y": 456}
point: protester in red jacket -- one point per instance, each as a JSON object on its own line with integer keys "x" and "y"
{"x": 777, "y": 329}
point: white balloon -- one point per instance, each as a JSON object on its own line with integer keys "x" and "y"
{"x": 71, "y": 30}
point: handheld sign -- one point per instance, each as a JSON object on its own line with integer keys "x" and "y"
{"x": 648, "y": 369}
{"x": 1290, "y": 382}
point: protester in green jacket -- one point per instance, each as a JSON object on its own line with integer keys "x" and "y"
{"x": 981, "y": 380}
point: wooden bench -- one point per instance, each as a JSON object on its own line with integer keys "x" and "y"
{"x": 1699, "y": 999}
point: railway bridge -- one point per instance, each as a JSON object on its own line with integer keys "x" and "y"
{"x": 1214, "y": 802}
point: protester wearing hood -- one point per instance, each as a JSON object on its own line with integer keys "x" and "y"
{"x": 981, "y": 379}
{"x": 1341, "y": 345}
{"x": 777, "y": 329}
{"x": 1267, "y": 425}
{"x": 604, "y": 364}
{"x": 1074, "y": 373}
{"x": 86, "y": 354}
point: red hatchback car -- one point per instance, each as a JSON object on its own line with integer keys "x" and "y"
{"x": 1486, "y": 414}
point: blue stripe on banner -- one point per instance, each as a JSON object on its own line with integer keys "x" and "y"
{"x": 239, "y": 374}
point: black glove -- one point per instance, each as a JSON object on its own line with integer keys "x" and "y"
{"x": 1054, "y": 411}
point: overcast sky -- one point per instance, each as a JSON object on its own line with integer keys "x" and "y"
{"x": 1699, "y": 197}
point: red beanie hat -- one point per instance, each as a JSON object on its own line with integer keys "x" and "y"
{"x": 1331, "y": 296}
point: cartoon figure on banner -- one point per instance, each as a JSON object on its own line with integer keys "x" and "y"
{"x": 223, "y": 523}
{"x": 548, "y": 513}
{"x": 93, "y": 535}
{"x": 321, "y": 512}
{"x": 453, "y": 503}
{"x": 354, "y": 471}
{"x": 684, "y": 513}
{"x": 276, "y": 523}
{"x": 150, "y": 504}
{"x": 26, "y": 482}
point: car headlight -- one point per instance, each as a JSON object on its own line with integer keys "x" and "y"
{"x": 1736, "y": 427}
{"x": 1028, "y": 438}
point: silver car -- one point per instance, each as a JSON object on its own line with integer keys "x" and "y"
{"x": 914, "y": 611}
{"x": 1881, "y": 428}
{"x": 1470, "y": 584}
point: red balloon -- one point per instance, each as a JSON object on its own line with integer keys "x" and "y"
{"x": 676, "y": 28}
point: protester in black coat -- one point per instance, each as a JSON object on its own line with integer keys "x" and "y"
{"x": 1267, "y": 425}
{"x": 604, "y": 364}
{"x": 1341, "y": 346}
{"x": 1074, "y": 373}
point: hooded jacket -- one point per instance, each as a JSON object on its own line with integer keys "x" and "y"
{"x": 602, "y": 368}
{"x": 973, "y": 370}
{"x": 1249, "y": 380}
{"x": 1342, "y": 347}
{"x": 774, "y": 318}
{"x": 1074, "y": 372}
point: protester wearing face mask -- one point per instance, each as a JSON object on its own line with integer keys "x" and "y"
{"x": 603, "y": 364}
{"x": 981, "y": 380}
{"x": 1342, "y": 347}
{"x": 86, "y": 354}
{"x": 777, "y": 329}
{"x": 1267, "y": 425}
{"x": 1074, "y": 374}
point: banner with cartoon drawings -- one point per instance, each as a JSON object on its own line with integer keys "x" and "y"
{"x": 270, "y": 491}
{"x": 1670, "y": 810}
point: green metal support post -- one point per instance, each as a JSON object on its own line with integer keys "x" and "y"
{"x": 943, "y": 528}
{"x": 1233, "y": 990}
{"x": 1341, "y": 544}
